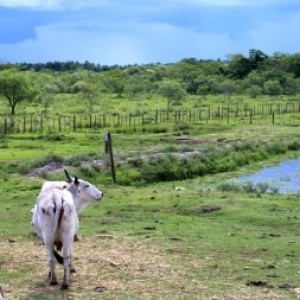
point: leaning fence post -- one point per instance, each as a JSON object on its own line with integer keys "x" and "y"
{"x": 109, "y": 151}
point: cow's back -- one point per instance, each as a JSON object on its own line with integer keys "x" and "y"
{"x": 56, "y": 211}
{"x": 49, "y": 185}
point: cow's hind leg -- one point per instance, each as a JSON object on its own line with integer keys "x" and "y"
{"x": 53, "y": 277}
{"x": 67, "y": 264}
{"x": 65, "y": 283}
{"x": 52, "y": 262}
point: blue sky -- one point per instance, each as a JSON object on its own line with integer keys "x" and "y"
{"x": 124, "y": 32}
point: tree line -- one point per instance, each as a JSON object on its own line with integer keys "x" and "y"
{"x": 254, "y": 75}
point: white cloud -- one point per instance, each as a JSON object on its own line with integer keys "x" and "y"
{"x": 79, "y": 4}
{"x": 233, "y": 3}
{"x": 42, "y": 4}
{"x": 52, "y": 4}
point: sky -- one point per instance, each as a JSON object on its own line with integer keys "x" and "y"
{"x": 122, "y": 32}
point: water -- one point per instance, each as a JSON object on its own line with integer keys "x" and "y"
{"x": 284, "y": 177}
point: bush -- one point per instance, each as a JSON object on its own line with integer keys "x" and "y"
{"x": 294, "y": 146}
{"x": 247, "y": 187}
{"x": 276, "y": 148}
{"x": 229, "y": 187}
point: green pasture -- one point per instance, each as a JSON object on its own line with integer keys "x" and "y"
{"x": 155, "y": 239}
{"x": 152, "y": 241}
{"x": 108, "y": 103}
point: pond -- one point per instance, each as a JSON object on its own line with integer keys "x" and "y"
{"x": 284, "y": 177}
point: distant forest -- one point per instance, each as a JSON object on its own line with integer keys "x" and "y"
{"x": 237, "y": 66}
{"x": 255, "y": 75}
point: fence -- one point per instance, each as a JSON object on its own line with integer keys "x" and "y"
{"x": 288, "y": 114}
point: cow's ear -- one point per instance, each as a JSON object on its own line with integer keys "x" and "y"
{"x": 69, "y": 178}
{"x": 76, "y": 181}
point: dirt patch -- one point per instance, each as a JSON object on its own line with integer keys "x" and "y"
{"x": 50, "y": 168}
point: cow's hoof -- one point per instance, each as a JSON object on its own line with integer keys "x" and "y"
{"x": 53, "y": 282}
{"x": 64, "y": 286}
{"x": 72, "y": 270}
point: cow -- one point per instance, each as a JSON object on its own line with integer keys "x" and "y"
{"x": 1, "y": 294}
{"x": 81, "y": 200}
{"x": 57, "y": 223}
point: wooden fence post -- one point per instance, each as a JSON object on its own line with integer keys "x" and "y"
{"x": 109, "y": 151}
{"x": 5, "y": 125}
{"x": 24, "y": 124}
{"x": 74, "y": 123}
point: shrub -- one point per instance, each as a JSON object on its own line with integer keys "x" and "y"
{"x": 294, "y": 146}
{"x": 247, "y": 187}
{"x": 276, "y": 148}
{"x": 229, "y": 187}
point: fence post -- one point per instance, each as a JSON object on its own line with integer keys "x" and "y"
{"x": 74, "y": 122}
{"x": 228, "y": 114}
{"x": 41, "y": 123}
{"x": 24, "y": 124}
{"x": 5, "y": 125}
{"x": 109, "y": 150}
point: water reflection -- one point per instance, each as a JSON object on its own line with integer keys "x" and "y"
{"x": 285, "y": 177}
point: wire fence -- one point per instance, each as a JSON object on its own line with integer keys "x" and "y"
{"x": 287, "y": 114}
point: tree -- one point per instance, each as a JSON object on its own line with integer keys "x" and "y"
{"x": 254, "y": 91}
{"x": 114, "y": 81}
{"x": 136, "y": 85}
{"x": 257, "y": 58}
{"x": 227, "y": 87}
{"x": 88, "y": 91}
{"x": 290, "y": 86}
{"x": 173, "y": 91}
{"x": 239, "y": 67}
{"x": 273, "y": 88}
{"x": 293, "y": 64}
{"x": 255, "y": 78}
{"x": 47, "y": 95}
{"x": 14, "y": 86}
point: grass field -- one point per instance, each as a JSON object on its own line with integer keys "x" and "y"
{"x": 153, "y": 240}
{"x": 156, "y": 242}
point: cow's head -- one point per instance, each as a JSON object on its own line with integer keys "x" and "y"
{"x": 86, "y": 190}
{"x": 83, "y": 191}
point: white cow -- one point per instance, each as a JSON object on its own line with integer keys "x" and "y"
{"x": 81, "y": 200}
{"x": 56, "y": 221}
{"x": 1, "y": 294}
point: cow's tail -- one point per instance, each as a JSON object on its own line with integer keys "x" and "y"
{"x": 58, "y": 257}
{"x": 57, "y": 241}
